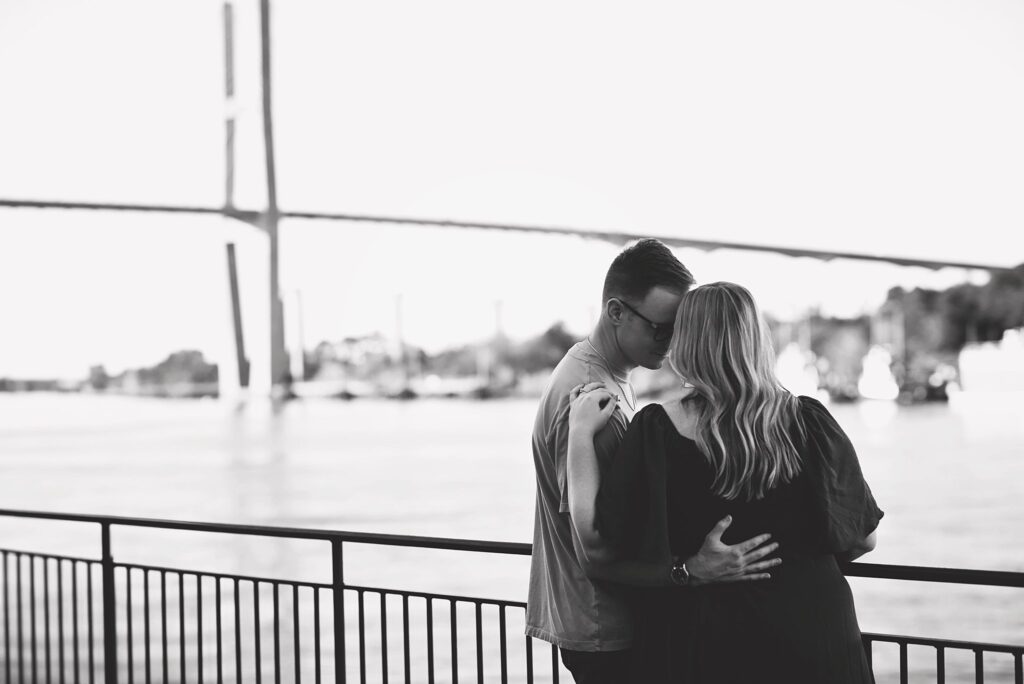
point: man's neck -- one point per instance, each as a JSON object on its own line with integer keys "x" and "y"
{"x": 602, "y": 339}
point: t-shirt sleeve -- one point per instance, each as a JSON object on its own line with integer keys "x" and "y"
{"x": 845, "y": 509}
{"x": 560, "y": 448}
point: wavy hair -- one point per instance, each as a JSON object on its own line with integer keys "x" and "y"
{"x": 721, "y": 346}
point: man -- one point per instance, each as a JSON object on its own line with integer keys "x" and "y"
{"x": 568, "y": 603}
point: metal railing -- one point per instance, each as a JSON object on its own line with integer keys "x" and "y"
{"x": 70, "y": 619}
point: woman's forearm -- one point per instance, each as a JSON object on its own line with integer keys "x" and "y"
{"x": 865, "y": 546}
{"x": 583, "y": 480}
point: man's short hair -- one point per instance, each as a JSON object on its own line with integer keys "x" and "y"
{"x": 643, "y": 266}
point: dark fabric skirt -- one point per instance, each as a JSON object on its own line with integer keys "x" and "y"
{"x": 800, "y": 627}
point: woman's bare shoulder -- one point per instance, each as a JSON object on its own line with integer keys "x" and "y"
{"x": 680, "y": 416}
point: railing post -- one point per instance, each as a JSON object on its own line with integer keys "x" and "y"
{"x": 109, "y": 617}
{"x": 338, "y": 584}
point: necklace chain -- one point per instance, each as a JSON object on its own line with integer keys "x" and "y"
{"x": 608, "y": 367}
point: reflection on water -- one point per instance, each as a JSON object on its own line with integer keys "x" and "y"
{"x": 948, "y": 476}
{"x": 877, "y": 414}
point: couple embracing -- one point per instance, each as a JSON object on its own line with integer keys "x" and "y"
{"x": 697, "y": 540}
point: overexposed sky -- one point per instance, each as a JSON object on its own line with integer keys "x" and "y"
{"x": 886, "y": 127}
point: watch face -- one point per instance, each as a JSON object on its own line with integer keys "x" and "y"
{"x": 680, "y": 575}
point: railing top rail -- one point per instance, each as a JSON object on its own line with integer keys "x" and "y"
{"x": 999, "y": 578}
{"x": 945, "y": 643}
{"x": 450, "y": 544}
{"x": 917, "y": 573}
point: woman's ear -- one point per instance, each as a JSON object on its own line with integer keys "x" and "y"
{"x": 688, "y": 390}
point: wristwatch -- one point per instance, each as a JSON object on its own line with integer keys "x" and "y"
{"x": 679, "y": 575}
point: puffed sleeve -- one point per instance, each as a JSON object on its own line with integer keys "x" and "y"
{"x": 844, "y": 507}
{"x": 630, "y": 504}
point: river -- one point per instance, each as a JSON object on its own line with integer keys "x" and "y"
{"x": 950, "y": 478}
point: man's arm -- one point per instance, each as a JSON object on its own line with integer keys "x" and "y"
{"x": 715, "y": 562}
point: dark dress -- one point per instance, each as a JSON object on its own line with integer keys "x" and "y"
{"x": 799, "y": 627}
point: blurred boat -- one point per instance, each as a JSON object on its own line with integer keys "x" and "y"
{"x": 994, "y": 366}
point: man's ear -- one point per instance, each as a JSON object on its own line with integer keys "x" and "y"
{"x": 614, "y": 310}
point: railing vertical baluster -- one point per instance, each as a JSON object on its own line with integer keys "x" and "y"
{"x": 316, "y": 634}
{"x": 362, "y": 638}
{"x": 277, "y": 633}
{"x": 199, "y": 627}
{"x": 74, "y": 620}
{"x": 146, "y": 649}
{"x": 256, "y": 621}
{"x": 504, "y": 650}
{"x": 405, "y": 637}
{"x": 338, "y": 597}
{"x": 60, "y": 620}
{"x": 220, "y": 629}
{"x": 163, "y": 625}
{"x": 128, "y": 625}
{"x": 109, "y": 603}
{"x": 238, "y": 635}
{"x": 89, "y": 617}
{"x": 32, "y": 618}
{"x": 7, "y": 624}
{"x": 529, "y": 660}
{"x": 430, "y": 640}
{"x": 384, "y": 637}
{"x": 21, "y": 640}
{"x": 33, "y": 653}
{"x": 46, "y": 618}
{"x": 455, "y": 643}
{"x": 296, "y": 644}
{"x": 181, "y": 625}
{"x": 479, "y": 642}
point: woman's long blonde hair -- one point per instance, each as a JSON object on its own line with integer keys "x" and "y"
{"x": 721, "y": 346}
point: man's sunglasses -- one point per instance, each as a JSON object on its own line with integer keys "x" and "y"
{"x": 662, "y": 331}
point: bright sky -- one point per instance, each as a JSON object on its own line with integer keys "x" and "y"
{"x": 878, "y": 126}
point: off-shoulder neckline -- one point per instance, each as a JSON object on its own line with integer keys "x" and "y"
{"x": 672, "y": 426}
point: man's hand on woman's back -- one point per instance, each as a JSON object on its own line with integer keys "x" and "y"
{"x": 720, "y": 562}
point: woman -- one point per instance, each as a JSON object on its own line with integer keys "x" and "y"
{"x": 737, "y": 444}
